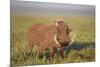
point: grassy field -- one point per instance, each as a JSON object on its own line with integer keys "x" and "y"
{"x": 82, "y": 50}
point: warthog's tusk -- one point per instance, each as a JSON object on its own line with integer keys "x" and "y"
{"x": 56, "y": 41}
{"x": 73, "y": 39}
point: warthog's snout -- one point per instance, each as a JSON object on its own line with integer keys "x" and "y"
{"x": 68, "y": 43}
{"x": 64, "y": 43}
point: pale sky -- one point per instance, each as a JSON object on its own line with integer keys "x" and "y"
{"x": 42, "y": 8}
{"x": 89, "y": 2}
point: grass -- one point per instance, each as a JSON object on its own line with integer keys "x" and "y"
{"x": 82, "y": 50}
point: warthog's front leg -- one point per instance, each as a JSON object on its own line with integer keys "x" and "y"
{"x": 59, "y": 51}
{"x": 51, "y": 53}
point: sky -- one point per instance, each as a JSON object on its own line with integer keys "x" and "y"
{"x": 89, "y": 2}
{"x": 45, "y": 9}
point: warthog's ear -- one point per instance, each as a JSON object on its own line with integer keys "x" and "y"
{"x": 57, "y": 22}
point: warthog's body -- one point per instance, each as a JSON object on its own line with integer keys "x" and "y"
{"x": 43, "y": 36}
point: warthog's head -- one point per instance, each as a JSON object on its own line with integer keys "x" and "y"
{"x": 61, "y": 36}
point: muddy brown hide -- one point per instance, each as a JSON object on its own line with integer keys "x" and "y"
{"x": 41, "y": 36}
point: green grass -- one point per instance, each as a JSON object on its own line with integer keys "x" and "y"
{"x": 83, "y": 28}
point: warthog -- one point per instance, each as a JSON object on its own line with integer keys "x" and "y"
{"x": 43, "y": 36}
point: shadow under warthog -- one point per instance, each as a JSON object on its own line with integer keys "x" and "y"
{"x": 78, "y": 46}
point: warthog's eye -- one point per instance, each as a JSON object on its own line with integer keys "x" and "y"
{"x": 67, "y": 32}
